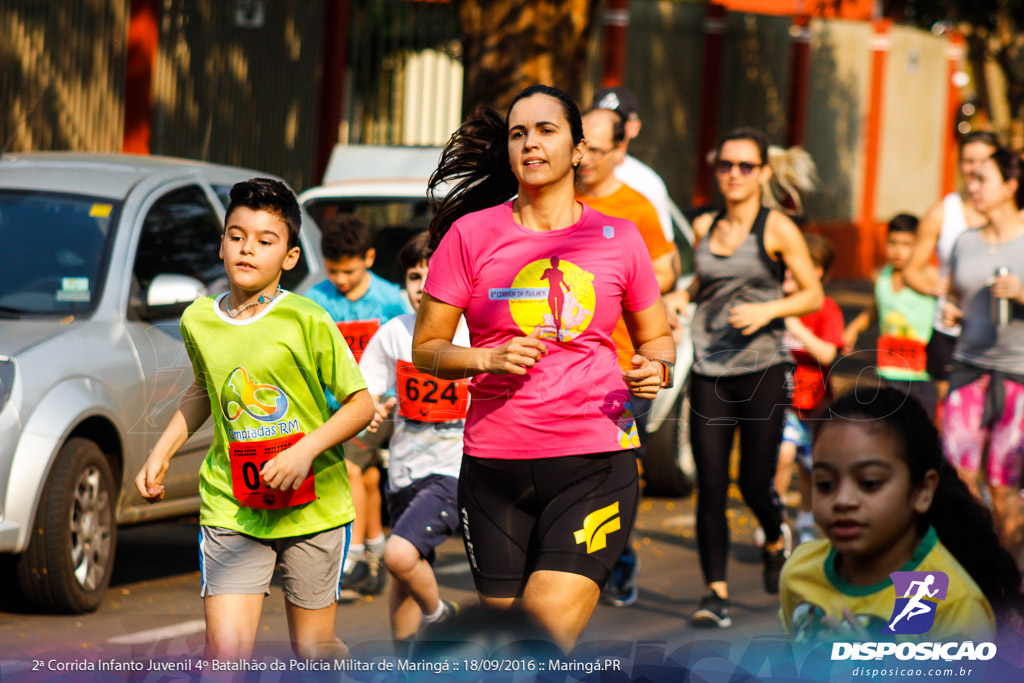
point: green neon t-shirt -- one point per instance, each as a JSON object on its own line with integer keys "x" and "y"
{"x": 266, "y": 377}
{"x": 904, "y": 329}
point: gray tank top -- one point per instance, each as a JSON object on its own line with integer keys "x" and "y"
{"x": 981, "y": 343}
{"x": 749, "y": 275}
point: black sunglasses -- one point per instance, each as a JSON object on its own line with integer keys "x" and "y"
{"x": 724, "y": 167}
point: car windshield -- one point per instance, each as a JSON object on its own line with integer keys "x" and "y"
{"x": 56, "y": 247}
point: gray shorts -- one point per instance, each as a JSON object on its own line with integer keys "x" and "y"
{"x": 363, "y": 450}
{"x": 232, "y": 563}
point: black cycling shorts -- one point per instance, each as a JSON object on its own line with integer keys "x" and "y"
{"x": 570, "y": 513}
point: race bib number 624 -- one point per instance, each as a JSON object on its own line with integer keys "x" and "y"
{"x": 425, "y": 398}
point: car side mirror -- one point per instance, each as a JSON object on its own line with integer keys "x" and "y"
{"x": 169, "y": 295}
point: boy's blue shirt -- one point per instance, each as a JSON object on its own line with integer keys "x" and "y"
{"x": 382, "y": 301}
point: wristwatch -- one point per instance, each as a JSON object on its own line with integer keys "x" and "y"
{"x": 667, "y": 374}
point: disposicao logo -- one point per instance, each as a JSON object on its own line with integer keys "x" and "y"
{"x": 917, "y": 599}
{"x": 918, "y": 595}
{"x": 263, "y": 402}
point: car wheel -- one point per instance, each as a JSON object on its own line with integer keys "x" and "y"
{"x": 668, "y": 457}
{"x": 70, "y": 555}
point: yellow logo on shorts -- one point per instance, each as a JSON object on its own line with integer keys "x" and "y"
{"x": 596, "y": 527}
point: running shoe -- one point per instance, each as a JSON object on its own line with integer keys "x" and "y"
{"x": 773, "y": 562}
{"x": 787, "y": 536}
{"x": 375, "y": 582}
{"x": 774, "y": 559}
{"x": 712, "y": 611}
{"x": 376, "y": 549}
{"x": 622, "y": 589}
{"x": 357, "y": 574}
{"x": 450, "y": 610}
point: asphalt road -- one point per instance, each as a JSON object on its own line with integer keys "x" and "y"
{"x": 153, "y": 611}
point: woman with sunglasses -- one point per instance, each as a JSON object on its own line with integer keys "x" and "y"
{"x": 742, "y": 374}
{"x": 549, "y": 486}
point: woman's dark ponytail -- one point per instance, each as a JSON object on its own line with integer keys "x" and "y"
{"x": 962, "y": 523}
{"x": 475, "y": 166}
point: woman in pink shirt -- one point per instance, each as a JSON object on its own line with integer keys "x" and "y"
{"x": 549, "y": 487}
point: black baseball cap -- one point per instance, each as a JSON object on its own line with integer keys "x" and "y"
{"x": 616, "y": 99}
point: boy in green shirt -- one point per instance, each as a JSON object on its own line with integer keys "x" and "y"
{"x": 904, "y": 319}
{"x": 273, "y": 487}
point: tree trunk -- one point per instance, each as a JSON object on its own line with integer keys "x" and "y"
{"x": 511, "y": 44}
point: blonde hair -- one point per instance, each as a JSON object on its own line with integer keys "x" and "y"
{"x": 793, "y": 172}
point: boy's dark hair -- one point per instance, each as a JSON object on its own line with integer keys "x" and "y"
{"x": 415, "y": 251}
{"x": 345, "y": 236}
{"x": 903, "y": 222}
{"x": 272, "y": 196}
{"x": 822, "y": 251}
{"x": 962, "y": 522}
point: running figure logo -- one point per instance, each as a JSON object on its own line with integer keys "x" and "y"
{"x": 554, "y": 296}
{"x": 917, "y": 596}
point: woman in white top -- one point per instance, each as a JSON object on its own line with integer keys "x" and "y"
{"x": 936, "y": 235}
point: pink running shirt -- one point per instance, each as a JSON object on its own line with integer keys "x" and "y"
{"x": 573, "y": 283}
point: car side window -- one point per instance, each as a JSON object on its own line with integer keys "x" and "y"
{"x": 181, "y": 236}
{"x": 223, "y": 193}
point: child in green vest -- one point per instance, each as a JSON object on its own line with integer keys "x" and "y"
{"x": 273, "y": 487}
{"x": 904, "y": 319}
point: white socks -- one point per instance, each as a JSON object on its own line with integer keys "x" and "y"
{"x": 438, "y": 613}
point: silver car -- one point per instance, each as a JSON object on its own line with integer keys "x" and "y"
{"x": 101, "y": 255}
{"x": 386, "y": 187}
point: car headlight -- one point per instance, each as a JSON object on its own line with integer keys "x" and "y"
{"x": 6, "y": 379}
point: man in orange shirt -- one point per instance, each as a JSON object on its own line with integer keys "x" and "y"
{"x": 597, "y": 187}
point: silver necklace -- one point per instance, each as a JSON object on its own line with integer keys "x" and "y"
{"x": 263, "y": 299}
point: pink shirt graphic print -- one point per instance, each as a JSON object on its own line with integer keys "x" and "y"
{"x": 571, "y": 285}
